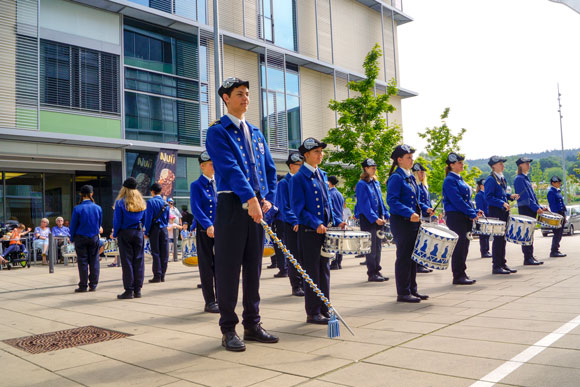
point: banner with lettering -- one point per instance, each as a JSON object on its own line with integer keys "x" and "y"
{"x": 165, "y": 167}
{"x": 143, "y": 171}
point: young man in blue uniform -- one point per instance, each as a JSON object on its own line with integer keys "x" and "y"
{"x": 85, "y": 224}
{"x": 203, "y": 200}
{"x": 527, "y": 203}
{"x": 481, "y": 205}
{"x": 246, "y": 184}
{"x": 290, "y": 237}
{"x": 557, "y": 206}
{"x": 419, "y": 171}
{"x": 337, "y": 201}
{"x": 310, "y": 201}
{"x": 156, "y": 220}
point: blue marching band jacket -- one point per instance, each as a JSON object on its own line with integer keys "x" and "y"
{"x": 369, "y": 201}
{"x": 283, "y": 201}
{"x": 337, "y": 203}
{"x": 556, "y": 201}
{"x": 403, "y": 195}
{"x": 424, "y": 197}
{"x": 481, "y": 203}
{"x": 203, "y": 200}
{"x": 310, "y": 199}
{"x": 154, "y": 207}
{"x": 124, "y": 219}
{"x": 86, "y": 219}
{"x": 457, "y": 196}
{"x": 495, "y": 194}
{"x": 523, "y": 187}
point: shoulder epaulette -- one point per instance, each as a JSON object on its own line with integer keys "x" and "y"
{"x": 215, "y": 122}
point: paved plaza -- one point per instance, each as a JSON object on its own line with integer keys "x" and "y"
{"x": 520, "y": 329}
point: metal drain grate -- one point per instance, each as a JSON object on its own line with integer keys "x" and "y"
{"x": 53, "y": 341}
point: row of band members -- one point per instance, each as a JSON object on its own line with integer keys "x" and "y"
{"x": 230, "y": 209}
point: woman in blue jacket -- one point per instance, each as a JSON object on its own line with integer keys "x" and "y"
{"x": 372, "y": 212}
{"x": 425, "y": 198}
{"x": 460, "y": 215}
{"x": 481, "y": 205}
{"x": 405, "y": 207}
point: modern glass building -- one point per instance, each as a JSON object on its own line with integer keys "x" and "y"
{"x": 91, "y": 90}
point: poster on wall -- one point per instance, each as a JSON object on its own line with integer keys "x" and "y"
{"x": 165, "y": 167}
{"x": 143, "y": 172}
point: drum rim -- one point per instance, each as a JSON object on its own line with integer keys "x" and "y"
{"x": 436, "y": 226}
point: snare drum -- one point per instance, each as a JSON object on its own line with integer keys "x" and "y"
{"x": 550, "y": 220}
{"x": 434, "y": 246}
{"x": 111, "y": 247}
{"x": 346, "y": 242}
{"x": 68, "y": 250}
{"x": 147, "y": 249}
{"x": 489, "y": 226}
{"x": 520, "y": 230}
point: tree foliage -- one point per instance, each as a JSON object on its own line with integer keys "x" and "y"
{"x": 440, "y": 142}
{"x": 362, "y": 130}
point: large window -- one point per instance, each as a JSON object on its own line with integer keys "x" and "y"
{"x": 280, "y": 104}
{"x": 166, "y": 85}
{"x": 277, "y": 22}
{"x": 191, "y": 9}
{"x": 78, "y": 78}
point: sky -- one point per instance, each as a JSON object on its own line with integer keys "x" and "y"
{"x": 496, "y": 64}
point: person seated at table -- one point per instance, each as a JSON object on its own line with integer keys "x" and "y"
{"x": 60, "y": 230}
{"x": 15, "y": 242}
{"x": 41, "y": 234}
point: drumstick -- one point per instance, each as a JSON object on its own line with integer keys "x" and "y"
{"x": 333, "y": 326}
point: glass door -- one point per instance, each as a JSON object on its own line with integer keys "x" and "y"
{"x": 24, "y": 199}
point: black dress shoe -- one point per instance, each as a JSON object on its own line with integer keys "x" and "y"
{"x": 340, "y": 266}
{"x": 333, "y": 267}
{"x": 364, "y": 263}
{"x": 421, "y": 296}
{"x": 137, "y": 294}
{"x": 272, "y": 266}
{"x": 281, "y": 274}
{"x": 127, "y": 295}
{"x": 557, "y": 254}
{"x": 506, "y": 267}
{"x": 384, "y": 276}
{"x": 317, "y": 319}
{"x": 154, "y": 280}
{"x": 408, "y": 298}
{"x": 325, "y": 314}
{"x": 499, "y": 270}
{"x": 81, "y": 290}
{"x": 532, "y": 262}
{"x": 423, "y": 269}
{"x": 486, "y": 255}
{"x": 298, "y": 292}
{"x": 376, "y": 278}
{"x": 463, "y": 281}
{"x": 93, "y": 289}
{"x": 259, "y": 334}
{"x": 232, "y": 342}
{"x": 212, "y": 307}
{"x": 199, "y": 286}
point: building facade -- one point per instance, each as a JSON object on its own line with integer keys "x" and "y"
{"x": 91, "y": 90}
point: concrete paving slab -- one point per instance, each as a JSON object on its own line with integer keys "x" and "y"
{"x": 535, "y": 375}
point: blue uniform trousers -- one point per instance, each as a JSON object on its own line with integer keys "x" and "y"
{"x": 484, "y": 244}
{"x": 87, "y": 249}
{"x": 558, "y": 235}
{"x": 461, "y": 225}
{"x": 132, "y": 255}
{"x": 404, "y": 233}
{"x": 159, "y": 242}
{"x": 374, "y": 258}
{"x": 239, "y": 242}
{"x": 498, "y": 245}
{"x": 317, "y": 267}
{"x": 291, "y": 243}
{"x": 206, "y": 262}
{"x": 281, "y": 262}
{"x": 528, "y": 250}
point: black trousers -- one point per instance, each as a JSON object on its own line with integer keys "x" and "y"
{"x": 87, "y": 249}
{"x": 461, "y": 225}
{"x": 281, "y": 262}
{"x": 498, "y": 245}
{"x": 484, "y": 244}
{"x": 374, "y": 258}
{"x": 291, "y": 241}
{"x": 159, "y": 242}
{"x": 528, "y": 250}
{"x": 132, "y": 255}
{"x": 239, "y": 244}
{"x": 206, "y": 263}
{"x": 317, "y": 267}
{"x": 404, "y": 233}
{"x": 558, "y": 236}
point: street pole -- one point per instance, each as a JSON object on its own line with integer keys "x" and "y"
{"x": 562, "y": 139}
{"x": 216, "y": 59}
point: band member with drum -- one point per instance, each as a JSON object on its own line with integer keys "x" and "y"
{"x": 156, "y": 222}
{"x": 481, "y": 205}
{"x": 528, "y": 204}
{"x": 203, "y": 201}
{"x": 425, "y": 198}
{"x": 128, "y": 219}
{"x": 85, "y": 224}
{"x": 290, "y": 236}
{"x": 337, "y": 201}
{"x": 557, "y": 206}
{"x": 310, "y": 201}
{"x": 460, "y": 215}
{"x": 246, "y": 184}
{"x": 370, "y": 208}
{"x": 403, "y": 200}
{"x": 497, "y": 200}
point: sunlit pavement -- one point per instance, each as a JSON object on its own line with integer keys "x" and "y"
{"x": 457, "y": 337}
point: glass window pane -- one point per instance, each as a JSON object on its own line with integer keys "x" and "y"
{"x": 129, "y": 42}
{"x": 285, "y": 24}
{"x": 292, "y": 83}
{"x": 293, "y": 117}
{"x": 24, "y": 198}
{"x": 58, "y": 197}
{"x": 2, "y": 197}
{"x": 185, "y": 8}
{"x": 275, "y": 79}
{"x": 202, "y": 11}
{"x": 155, "y": 50}
{"x": 203, "y": 67}
{"x": 141, "y": 47}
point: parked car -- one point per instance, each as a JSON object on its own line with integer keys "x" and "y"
{"x": 572, "y": 222}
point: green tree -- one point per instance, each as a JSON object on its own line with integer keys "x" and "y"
{"x": 550, "y": 162}
{"x": 536, "y": 173}
{"x": 362, "y": 130}
{"x": 440, "y": 142}
{"x": 554, "y": 171}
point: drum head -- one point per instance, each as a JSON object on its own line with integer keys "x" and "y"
{"x": 439, "y": 231}
{"x": 523, "y": 218}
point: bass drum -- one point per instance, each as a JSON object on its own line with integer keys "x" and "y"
{"x": 189, "y": 251}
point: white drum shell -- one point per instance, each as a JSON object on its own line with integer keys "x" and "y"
{"x": 520, "y": 230}
{"x": 347, "y": 242}
{"x": 489, "y": 226}
{"x": 432, "y": 249}
{"x": 550, "y": 220}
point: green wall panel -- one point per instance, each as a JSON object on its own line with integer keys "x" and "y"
{"x": 79, "y": 124}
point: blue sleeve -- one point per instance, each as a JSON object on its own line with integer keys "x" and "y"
{"x": 394, "y": 197}
{"x": 196, "y": 210}
{"x": 386, "y": 214}
{"x": 336, "y": 209}
{"x": 148, "y": 217}
{"x": 117, "y": 218}
{"x": 74, "y": 223}
{"x": 362, "y": 196}
{"x": 226, "y": 165}
{"x": 100, "y": 212}
{"x": 490, "y": 187}
{"x": 525, "y": 199}
{"x": 284, "y": 197}
{"x": 480, "y": 202}
{"x": 451, "y": 193}
{"x": 271, "y": 178}
{"x": 298, "y": 204}
{"x": 553, "y": 201}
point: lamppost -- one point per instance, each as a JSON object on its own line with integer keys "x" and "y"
{"x": 216, "y": 59}
{"x": 562, "y": 139}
